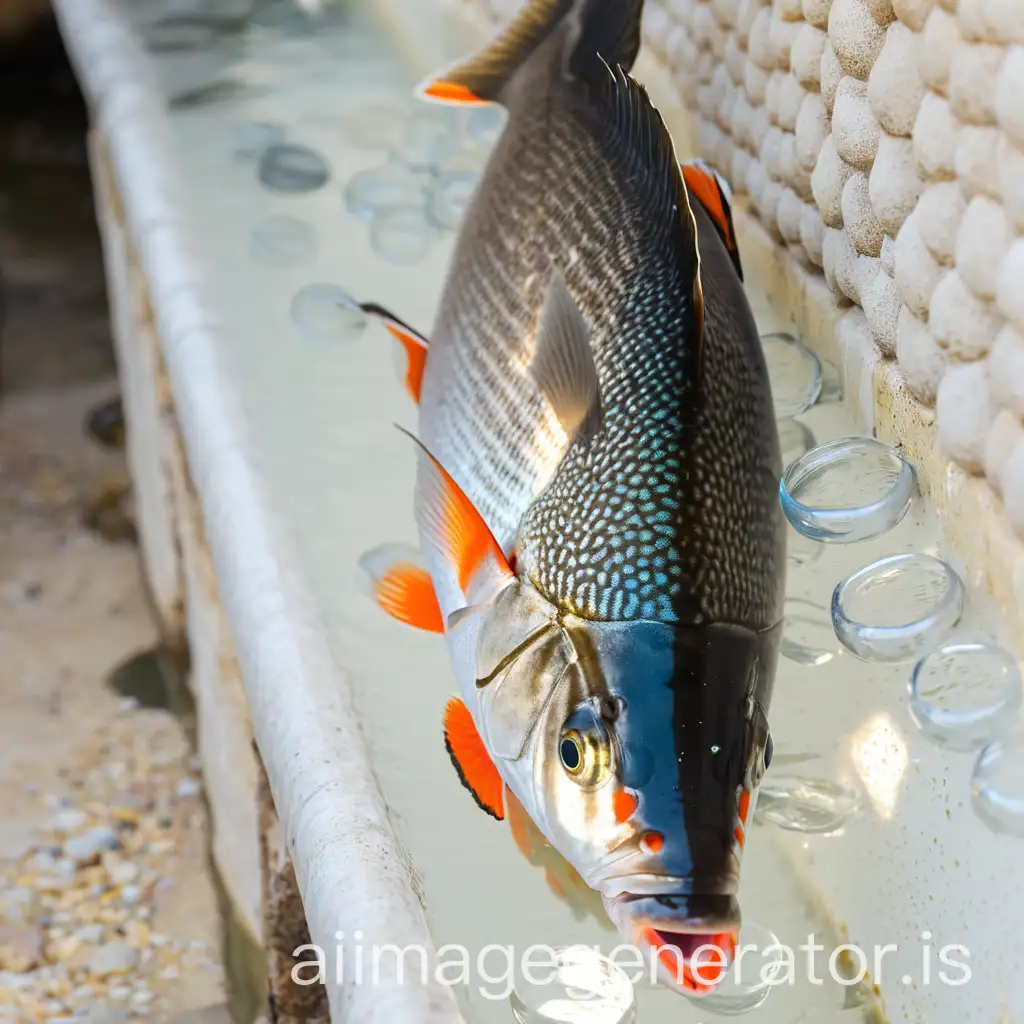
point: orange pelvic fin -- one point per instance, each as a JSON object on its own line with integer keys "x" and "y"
{"x": 398, "y": 583}
{"x": 471, "y": 760}
{"x": 412, "y": 347}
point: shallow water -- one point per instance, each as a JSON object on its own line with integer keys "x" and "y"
{"x": 322, "y": 398}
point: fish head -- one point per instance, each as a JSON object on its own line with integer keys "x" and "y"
{"x": 637, "y": 749}
{"x": 659, "y": 823}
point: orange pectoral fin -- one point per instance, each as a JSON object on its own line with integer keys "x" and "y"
{"x": 451, "y": 523}
{"x": 402, "y": 587}
{"x": 471, "y": 760}
{"x": 412, "y": 346}
{"x": 744, "y": 806}
{"x": 712, "y": 193}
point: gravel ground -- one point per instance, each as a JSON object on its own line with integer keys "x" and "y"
{"x": 107, "y": 911}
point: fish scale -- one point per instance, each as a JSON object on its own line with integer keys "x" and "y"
{"x": 691, "y": 534}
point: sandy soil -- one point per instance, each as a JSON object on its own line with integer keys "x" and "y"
{"x": 107, "y": 912}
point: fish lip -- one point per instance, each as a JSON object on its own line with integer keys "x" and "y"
{"x": 677, "y": 968}
{"x": 673, "y": 925}
{"x": 687, "y": 913}
{"x": 644, "y": 885}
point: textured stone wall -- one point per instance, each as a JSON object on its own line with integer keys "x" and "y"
{"x": 882, "y": 143}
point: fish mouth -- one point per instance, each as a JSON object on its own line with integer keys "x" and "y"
{"x": 695, "y": 963}
{"x": 693, "y": 938}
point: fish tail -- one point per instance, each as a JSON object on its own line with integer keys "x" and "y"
{"x": 605, "y": 29}
{"x": 587, "y": 29}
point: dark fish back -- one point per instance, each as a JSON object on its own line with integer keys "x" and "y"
{"x": 670, "y": 510}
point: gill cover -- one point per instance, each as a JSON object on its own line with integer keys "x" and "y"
{"x": 522, "y": 654}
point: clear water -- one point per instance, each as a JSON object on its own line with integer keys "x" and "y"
{"x": 875, "y": 839}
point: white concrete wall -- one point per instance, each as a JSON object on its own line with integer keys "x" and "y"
{"x": 881, "y": 142}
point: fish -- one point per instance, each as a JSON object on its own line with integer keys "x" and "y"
{"x": 600, "y": 539}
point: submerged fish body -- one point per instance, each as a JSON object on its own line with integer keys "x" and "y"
{"x": 597, "y": 496}
{"x": 557, "y": 198}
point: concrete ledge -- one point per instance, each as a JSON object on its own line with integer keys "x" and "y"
{"x": 216, "y": 551}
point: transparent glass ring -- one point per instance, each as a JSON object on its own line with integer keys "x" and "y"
{"x": 817, "y": 490}
{"x": 924, "y": 583}
{"x": 997, "y": 783}
{"x": 962, "y": 694}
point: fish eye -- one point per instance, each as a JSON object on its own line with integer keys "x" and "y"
{"x": 585, "y": 748}
{"x": 769, "y": 748}
{"x": 570, "y": 750}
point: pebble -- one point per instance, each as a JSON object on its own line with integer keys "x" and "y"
{"x": 42, "y": 862}
{"x": 89, "y": 933}
{"x": 107, "y": 1015}
{"x": 293, "y": 169}
{"x": 188, "y": 788}
{"x": 86, "y": 848}
{"x": 120, "y": 871}
{"x": 64, "y": 950}
{"x": 69, "y": 820}
{"x": 15, "y": 903}
{"x": 21, "y": 947}
{"x": 113, "y": 958}
{"x": 12, "y": 981}
{"x": 76, "y": 909}
{"x": 130, "y": 895}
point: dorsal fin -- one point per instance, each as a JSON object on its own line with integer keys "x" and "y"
{"x": 639, "y": 142}
{"x": 563, "y": 361}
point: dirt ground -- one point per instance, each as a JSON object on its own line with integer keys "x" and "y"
{"x": 107, "y": 911}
